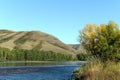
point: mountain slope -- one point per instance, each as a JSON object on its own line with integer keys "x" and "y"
{"x": 78, "y": 48}
{"x": 32, "y": 40}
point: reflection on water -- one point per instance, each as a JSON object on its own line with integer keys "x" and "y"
{"x": 38, "y": 70}
{"x": 44, "y": 63}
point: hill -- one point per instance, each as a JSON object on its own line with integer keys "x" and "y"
{"x": 32, "y": 40}
{"x": 78, "y": 48}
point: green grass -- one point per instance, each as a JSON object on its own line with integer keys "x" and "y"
{"x": 97, "y": 70}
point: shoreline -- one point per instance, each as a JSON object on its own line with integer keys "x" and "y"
{"x": 37, "y": 61}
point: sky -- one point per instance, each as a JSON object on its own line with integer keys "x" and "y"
{"x": 60, "y": 18}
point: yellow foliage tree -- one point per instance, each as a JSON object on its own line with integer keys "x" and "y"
{"x": 102, "y": 40}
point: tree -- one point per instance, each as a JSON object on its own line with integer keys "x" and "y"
{"x": 102, "y": 40}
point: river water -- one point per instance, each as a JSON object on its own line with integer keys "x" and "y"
{"x": 38, "y": 70}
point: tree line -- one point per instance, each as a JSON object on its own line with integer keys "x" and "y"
{"x": 32, "y": 55}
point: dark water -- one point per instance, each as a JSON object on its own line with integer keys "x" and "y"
{"x": 38, "y": 71}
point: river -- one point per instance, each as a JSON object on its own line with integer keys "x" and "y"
{"x": 38, "y": 70}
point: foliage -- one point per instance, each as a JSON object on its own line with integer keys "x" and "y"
{"x": 102, "y": 40}
{"x": 83, "y": 57}
{"x": 32, "y": 55}
{"x": 4, "y": 52}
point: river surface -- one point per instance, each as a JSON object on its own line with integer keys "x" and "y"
{"x": 38, "y": 70}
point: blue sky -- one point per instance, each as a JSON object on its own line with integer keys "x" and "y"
{"x": 61, "y": 18}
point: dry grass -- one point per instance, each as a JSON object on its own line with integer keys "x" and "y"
{"x": 10, "y": 43}
{"x": 97, "y": 70}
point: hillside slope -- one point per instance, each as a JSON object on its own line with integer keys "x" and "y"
{"x": 32, "y": 40}
{"x": 78, "y": 48}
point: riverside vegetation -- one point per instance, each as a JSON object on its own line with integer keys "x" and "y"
{"x": 32, "y": 55}
{"x": 103, "y": 44}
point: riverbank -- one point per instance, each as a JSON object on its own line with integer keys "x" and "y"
{"x": 97, "y": 70}
{"x": 39, "y": 63}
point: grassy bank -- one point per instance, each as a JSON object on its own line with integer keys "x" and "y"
{"x": 97, "y": 70}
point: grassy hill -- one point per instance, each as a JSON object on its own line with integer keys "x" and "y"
{"x": 32, "y": 40}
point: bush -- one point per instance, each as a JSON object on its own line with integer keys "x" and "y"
{"x": 83, "y": 57}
